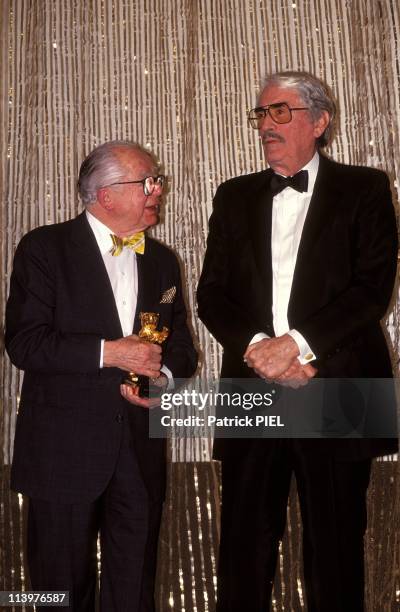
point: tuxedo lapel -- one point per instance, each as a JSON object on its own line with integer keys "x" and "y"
{"x": 322, "y": 206}
{"x": 86, "y": 258}
{"x": 260, "y": 223}
{"x": 322, "y": 201}
{"x": 149, "y": 284}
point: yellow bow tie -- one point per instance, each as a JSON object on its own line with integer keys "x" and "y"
{"x": 135, "y": 242}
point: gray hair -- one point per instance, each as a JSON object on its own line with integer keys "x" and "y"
{"x": 314, "y": 93}
{"x": 103, "y": 167}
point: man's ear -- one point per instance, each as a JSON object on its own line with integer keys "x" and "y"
{"x": 104, "y": 198}
{"x": 321, "y": 124}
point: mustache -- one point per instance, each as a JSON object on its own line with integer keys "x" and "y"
{"x": 271, "y": 134}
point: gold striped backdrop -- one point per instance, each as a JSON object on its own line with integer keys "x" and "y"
{"x": 178, "y": 76}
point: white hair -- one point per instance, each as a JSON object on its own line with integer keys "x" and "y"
{"x": 102, "y": 167}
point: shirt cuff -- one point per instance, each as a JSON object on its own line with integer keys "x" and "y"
{"x": 258, "y": 337}
{"x": 101, "y": 353}
{"x": 168, "y": 374}
{"x": 306, "y": 354}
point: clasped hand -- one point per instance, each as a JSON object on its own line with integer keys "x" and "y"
{"x": 133, "y": 354}
{"x": 275, "y": 359}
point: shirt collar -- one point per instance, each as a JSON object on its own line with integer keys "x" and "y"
{"x": 102, "y": 233}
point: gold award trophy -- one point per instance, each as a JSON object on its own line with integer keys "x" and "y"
{"x": 148, "y": 332}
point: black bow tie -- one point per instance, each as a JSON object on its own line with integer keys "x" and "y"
{"x": 298, "y": 181}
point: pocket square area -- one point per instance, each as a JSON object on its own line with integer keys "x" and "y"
{"x": 168, "y": 296}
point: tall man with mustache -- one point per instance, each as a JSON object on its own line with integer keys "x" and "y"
{"x": 82, "y": 451}
{"x": 298, "y": 273}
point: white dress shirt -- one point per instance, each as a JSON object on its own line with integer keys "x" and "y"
{"x": 123, "y": 275}
{"x": 289, "y": 210}
{"x": 122, "y": 272}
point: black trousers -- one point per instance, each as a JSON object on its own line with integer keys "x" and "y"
{"x": 62, "y": 540}
{"x": 332, "y": 495}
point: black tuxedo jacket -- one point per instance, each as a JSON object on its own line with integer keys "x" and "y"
{"x": 71, "y": 413}
{"x": 342, "y": 283}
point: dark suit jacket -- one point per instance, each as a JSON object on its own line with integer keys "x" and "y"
{"x": 342, "y": 283}
{"x": 71, "y": 413}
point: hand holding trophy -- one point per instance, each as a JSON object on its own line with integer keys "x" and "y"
{"x": 149, "y": 333}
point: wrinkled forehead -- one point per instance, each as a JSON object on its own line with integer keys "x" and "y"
{"x": 272, "y": 94}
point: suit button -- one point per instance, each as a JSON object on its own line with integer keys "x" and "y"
{"x": 119, "y": 418}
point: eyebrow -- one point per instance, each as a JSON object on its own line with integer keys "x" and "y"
{"x": 273, "y": 104}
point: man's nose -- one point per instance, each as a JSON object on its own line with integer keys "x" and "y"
{"x": 158, "y": 189}
{"x": 266, "y": 123}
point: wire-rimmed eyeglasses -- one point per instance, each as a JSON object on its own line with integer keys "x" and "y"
{"x": 149, "y": 183}
{"x": 280, "y": 112}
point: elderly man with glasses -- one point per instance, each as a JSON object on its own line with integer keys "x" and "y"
{"x": 298, "y": 273}
{"x": 82, "y": 449}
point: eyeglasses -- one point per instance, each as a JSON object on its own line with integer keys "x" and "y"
{"x": 279, "y": 112}
{"x": 149, "y": 183}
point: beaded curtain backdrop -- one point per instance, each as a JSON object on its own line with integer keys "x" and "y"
{"x": 178, "y": 76}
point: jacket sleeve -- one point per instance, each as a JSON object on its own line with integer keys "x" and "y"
{"x": 180, "y": 356}
{"x": 230, "y": 324}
